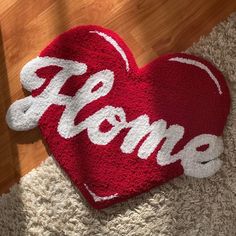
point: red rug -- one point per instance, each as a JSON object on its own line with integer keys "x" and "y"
{"x": 118, "y": 130}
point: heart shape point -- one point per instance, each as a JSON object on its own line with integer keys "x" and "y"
{"x": 118, "y": 130}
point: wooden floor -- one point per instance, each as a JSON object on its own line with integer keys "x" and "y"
{"x": 150, "y": 28}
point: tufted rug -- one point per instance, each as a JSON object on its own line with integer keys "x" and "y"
{"x": 118, "y": 130}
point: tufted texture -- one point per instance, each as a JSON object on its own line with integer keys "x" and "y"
{"x": 118, "y": 130}
{"x": 45, "y": 203}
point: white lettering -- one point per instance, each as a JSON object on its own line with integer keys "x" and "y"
{"x": 25, "y": 114}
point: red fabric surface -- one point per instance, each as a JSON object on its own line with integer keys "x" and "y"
{"x": 177, "y": 93}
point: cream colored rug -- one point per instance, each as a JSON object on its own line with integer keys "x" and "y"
{"x": 45, "y": 202}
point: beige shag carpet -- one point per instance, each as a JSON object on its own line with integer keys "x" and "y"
{"x": 45, "y": 202}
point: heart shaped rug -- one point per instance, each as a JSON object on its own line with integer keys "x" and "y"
{"x": 118, "y": 130}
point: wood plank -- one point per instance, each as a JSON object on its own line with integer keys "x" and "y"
{"x": 150, "y": 28}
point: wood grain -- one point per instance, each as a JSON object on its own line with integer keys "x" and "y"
{"x": 150, "y": 28}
